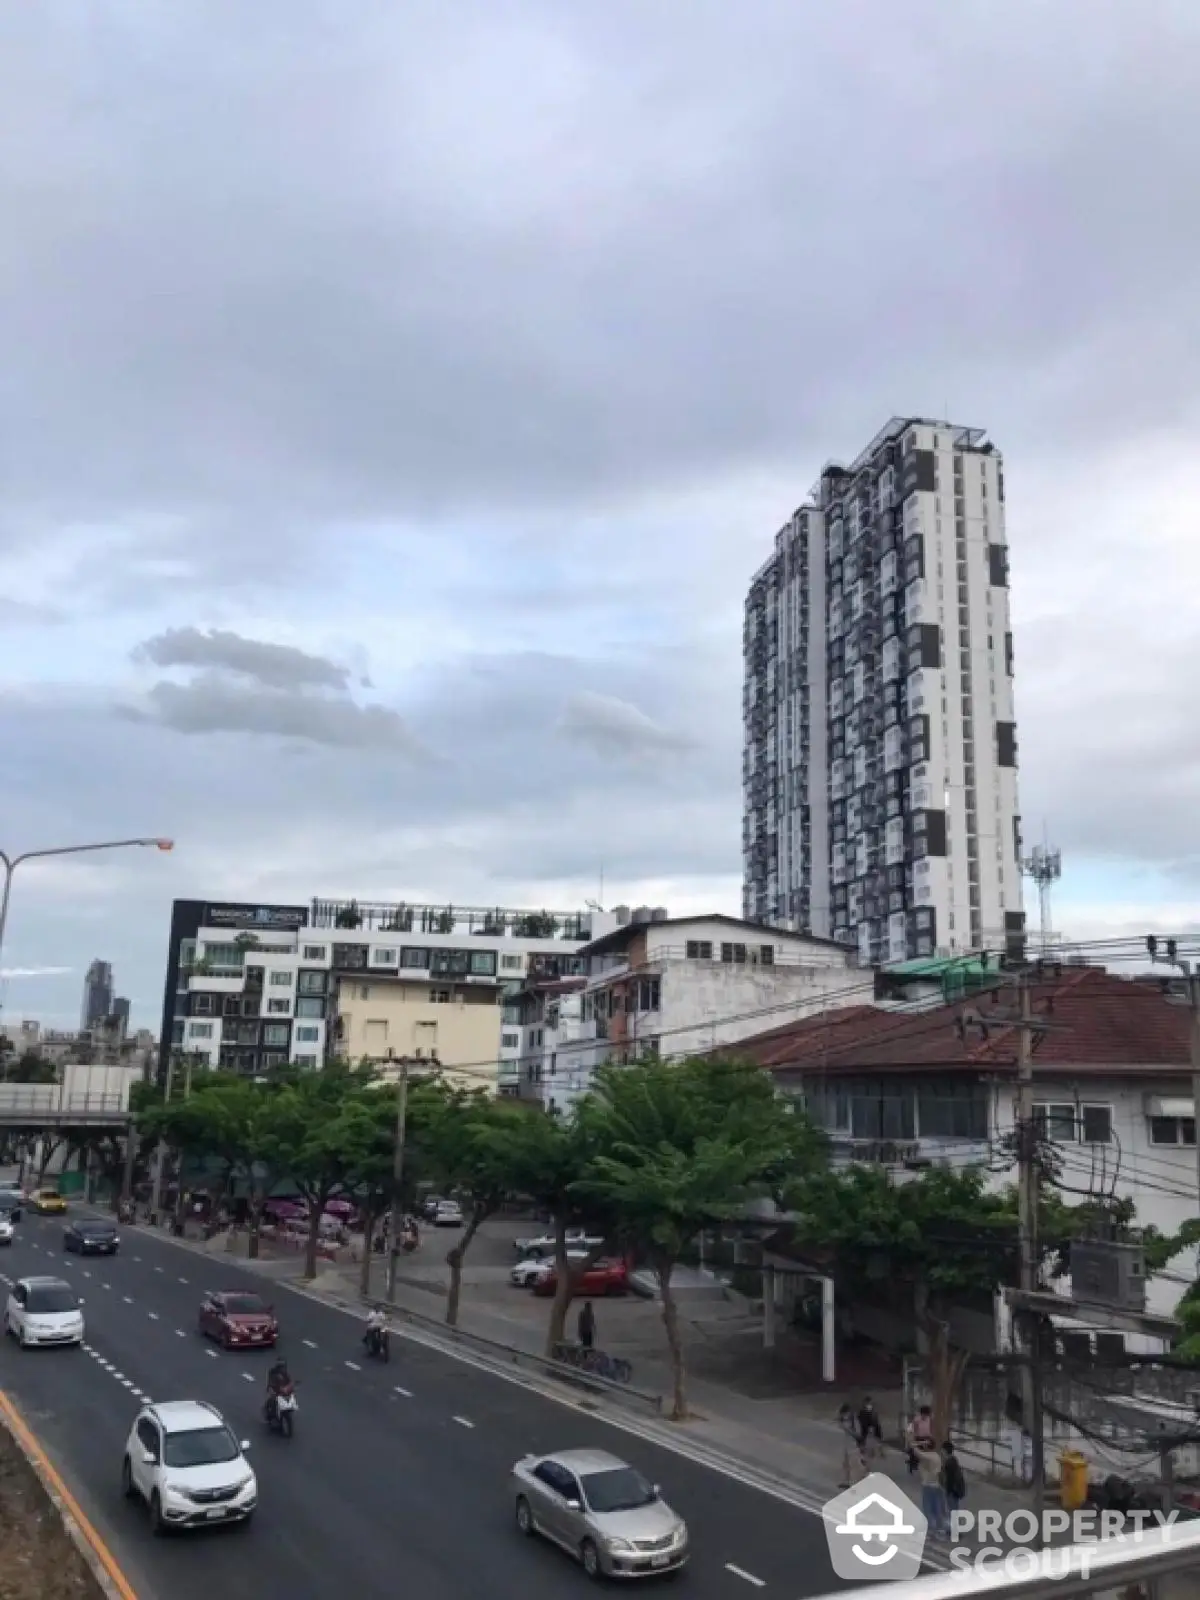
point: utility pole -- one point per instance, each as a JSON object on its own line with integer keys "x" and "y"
{"x": 1172, "y": 958}
{"x": 1027, "y": 1028}
{"x": 160, "y": 1157}
{"x": 397, "y": 1216}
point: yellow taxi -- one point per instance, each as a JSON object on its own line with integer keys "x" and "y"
{"x": 47, "y": 1202}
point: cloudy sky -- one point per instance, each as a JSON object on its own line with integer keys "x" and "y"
{"x": 396, "y": 398}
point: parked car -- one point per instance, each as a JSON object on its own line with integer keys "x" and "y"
{"x": 429, "y": 1206}
{"x": 526, "y": 1273}
{"x": 239, "y": 1321}
{"x": 91, "y": 1237}
{"x": 448, "y": 1214}
{"x": 11, "y": 1201}
{"x": 601, "y": 1278}
{"x": 543, "y": 1245}
{"x": 601, "y": 1511}
{"x": 6, "y": 1229}
{"x": 42, "y": 1311}
{"x": 47, "y": 1203}
{"x": 182, "y": 1459}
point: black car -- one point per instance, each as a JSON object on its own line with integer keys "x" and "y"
{"x": 10, "y": 1205}
{"x": 91, "y": 1238}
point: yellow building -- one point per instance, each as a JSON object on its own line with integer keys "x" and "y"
{"x": 384, "y": 1019}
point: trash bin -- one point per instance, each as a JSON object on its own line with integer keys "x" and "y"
{"x": 1072, "y": 1479}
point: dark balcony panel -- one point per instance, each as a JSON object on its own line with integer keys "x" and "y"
{"x": 1008, "y": 654}
{"x": 998, "y": 566}
{"x": 1006, "y": 744}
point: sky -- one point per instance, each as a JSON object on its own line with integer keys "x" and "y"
{"x": 397, "y": 398}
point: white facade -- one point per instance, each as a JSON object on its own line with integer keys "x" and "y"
{"x": 690, "y": 985}
{"x": 879, "y": 766}
{"x": 554, "y": 1066}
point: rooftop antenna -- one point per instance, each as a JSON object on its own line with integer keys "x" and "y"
{"x": 1044, "y": 866}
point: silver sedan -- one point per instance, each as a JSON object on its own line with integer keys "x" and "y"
{"x": 601, "y": 1511}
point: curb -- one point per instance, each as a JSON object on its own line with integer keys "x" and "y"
{"x": 83, "y": 1536}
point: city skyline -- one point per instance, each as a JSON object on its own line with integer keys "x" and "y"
{"x": 379, "y": 522}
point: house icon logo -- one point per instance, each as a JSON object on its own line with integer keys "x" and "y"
{"x": 874, "y": 1531}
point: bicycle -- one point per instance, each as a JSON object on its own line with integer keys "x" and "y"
{"x": 615, "y": 1369}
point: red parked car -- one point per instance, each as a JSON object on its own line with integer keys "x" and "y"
{"x": 602, "y": 1277}
{"x": 239, "y": 1321}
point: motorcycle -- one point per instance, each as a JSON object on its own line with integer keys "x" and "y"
{"x": 379, "y": 1343}
{"x": 280, "y": 1411}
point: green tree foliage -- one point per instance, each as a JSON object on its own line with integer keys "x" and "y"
{"x": 678, "y": 1147}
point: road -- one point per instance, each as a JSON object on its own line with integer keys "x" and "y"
{"x": 397, "y": 1478}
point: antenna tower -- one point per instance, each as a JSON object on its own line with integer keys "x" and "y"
{"x": 1044, "y": 866}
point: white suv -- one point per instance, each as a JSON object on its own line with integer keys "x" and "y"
{"x": 182, "y": 1460}
{"x": 43, "y": 1311}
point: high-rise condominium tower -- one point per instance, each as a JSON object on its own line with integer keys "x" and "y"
{"x": 879, "y": 767}
{"x": 97, "y": 994}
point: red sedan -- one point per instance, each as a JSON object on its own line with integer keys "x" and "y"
{"x": 239, "y": 1321}
{"x": 601, "y": 1278}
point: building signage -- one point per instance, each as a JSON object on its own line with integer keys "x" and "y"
{"x": 234, "y": 916}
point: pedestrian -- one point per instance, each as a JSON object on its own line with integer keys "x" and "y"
{"x": 870, "y": 1432}
{"x": 587, "y": 1326}
{"x": 933, "y": 1496}
{"x": 854, "y": 1468}
{"x": 954, "y": 1481}
{"x": 918, "y": 1432}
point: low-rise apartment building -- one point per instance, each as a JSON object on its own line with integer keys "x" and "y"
{"x": 673, "y": 986}
{"x": 1112, "y": 1094}
{"x": 253, "y": 986}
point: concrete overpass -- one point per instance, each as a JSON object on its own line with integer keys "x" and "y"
{"x": 34, "y": 1107}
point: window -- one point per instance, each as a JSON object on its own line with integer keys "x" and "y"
{"x": 733, "y": 952}
{"x": 279, "y": 1008}
{"x": 483, "y": 963}
{"x": 385, "y": 956}
{"x": 450, "y": 963}
{"x": 699, "y": 950}
{"x": 364, "y": 991}
{"x": 313, "y": 982}
{"x": 310, "y": 1006}
{"x": 275, "y": 1033}
{"x": 305, "y": 1061}
{"x": 274, "y": 1058}
{"x": 281, "y": 980}
{"x": 441, "y": 997}
{"x": 350, "y": 957}
{"x": 952, "y": 1112}
{"x": 766, "y": 955}
{"x": 223, "y": 955}
{"x": 203, "y": 1005}
{"x": 509, "y": 1041}
{"x": 1097, "y": 1124}
{"x": 513, "y": 963}
{"x": 648, "y": 994}
{"x": 200, "y": 1030}
{"x": 1172, "y": 1130}
{"x": 315, "y": 952}
{"x": 410, "y": 956}
{"x": 307, "y": 1035}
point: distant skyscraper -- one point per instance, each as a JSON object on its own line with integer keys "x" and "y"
{"x": 97, "y": 994}
{"x": 120, "y": 1010}
{"x": 880, "y": 751}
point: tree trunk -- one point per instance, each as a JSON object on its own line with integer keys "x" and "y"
{"x": 256, "y": 1205}
{"x": 663, "y": 1268}
{"x": 946, "y": 1368}
{"x": 454, "y": 1260}
{"x": 364, "y": 1270}
{"x": 49, "y": 1151}
{"x": 316, "y": 1210}
{"x": 562, "y": 1289}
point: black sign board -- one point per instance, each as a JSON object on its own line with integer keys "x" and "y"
{"x": 234, "y": 916}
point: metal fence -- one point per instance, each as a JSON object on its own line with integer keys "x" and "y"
{"x": 55, "y": 1100}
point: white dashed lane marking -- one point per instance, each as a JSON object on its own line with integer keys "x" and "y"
{"x": 249, "y": 1377}
{"x": 158, "y": 1269}
{"x": 153, "y": 1315}
{"x": 128, "y": 1299}
{"x": 407, "y": 1393}
{"x": 180, "y": 1334}
{"x": 354, "y": 1366}
{"x": 309, "y": 1343}
{"x": 183, "y": 1280}
{"x": 211, "y": 1353}
{"x": 463, "y": 1423}
{"x": 747, "y": 1576}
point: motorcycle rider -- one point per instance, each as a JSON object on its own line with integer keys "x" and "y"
{"x": 279, "y": 1381}
{"x": 377, "y": 1332}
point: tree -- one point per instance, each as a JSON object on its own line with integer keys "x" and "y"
{"x": 678, "y": 1147}
{"x": 467, "y": 1140}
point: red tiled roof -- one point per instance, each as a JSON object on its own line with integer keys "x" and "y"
{"x": 1095, "y": 1020}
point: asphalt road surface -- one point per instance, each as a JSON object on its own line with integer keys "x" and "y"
{"x": 397, "y": 1478}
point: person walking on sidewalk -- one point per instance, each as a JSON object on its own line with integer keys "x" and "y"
{"x": 918, "y": 1432}
{"x": 870, "y": 1433}
{"x": 854, "y": 1467}
{"x": 933, "y": 1496}
{"x": 587, "y": 1326}
{"x": 954, "y": 1482}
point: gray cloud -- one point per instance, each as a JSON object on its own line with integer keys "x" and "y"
{"x": 212, "y": 705}
{"x": 278, "y": 666}
{"x": 614, "y": 728}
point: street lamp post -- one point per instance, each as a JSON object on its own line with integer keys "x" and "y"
{"x": 11, "y": 863}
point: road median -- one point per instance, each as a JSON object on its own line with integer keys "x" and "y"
{"x": 48, "y": 1548}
